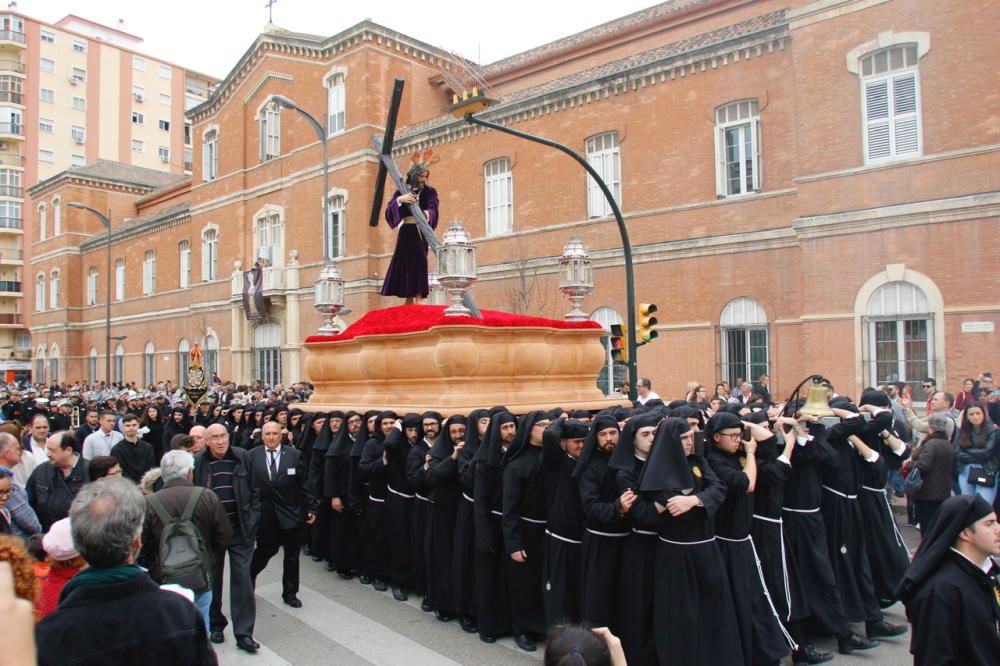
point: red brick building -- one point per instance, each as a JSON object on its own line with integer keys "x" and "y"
{"x": 808, "y": 187}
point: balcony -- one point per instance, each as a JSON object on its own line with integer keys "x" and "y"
{"x": 12, "y": 130}
{"x": 11, "y": 223}
{"x": 11, "y": 319}
{"x": 10, "y": 287}
{"x": 274, "y": 282}
{"x": 11, "y": 255}
{"x": 11, "y": 159}
{"x": 15, "y": 66}
{"x": 12, "y": 37}
{"x": 11, "y": 191}
{"x": 12, "y": 97}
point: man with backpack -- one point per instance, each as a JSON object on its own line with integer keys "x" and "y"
{"x": 185, "y": 526}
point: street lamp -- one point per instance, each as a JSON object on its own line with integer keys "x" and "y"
{"x": 457, "y": 264}
{"x": 328, "y": 290}
{"x": 106, "y": 221}
{"x": 466, "y": 105}
{"x": 576, "y": 277}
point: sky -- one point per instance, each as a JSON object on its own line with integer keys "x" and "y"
{"x": 209, "y": 36}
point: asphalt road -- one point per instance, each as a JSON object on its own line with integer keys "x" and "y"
{"x": 345, "y": 623}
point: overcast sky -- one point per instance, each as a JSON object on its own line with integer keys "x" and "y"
{"x": 209, "y": 36}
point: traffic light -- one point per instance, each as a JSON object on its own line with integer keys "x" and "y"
{"x": 619, "y": 344}
{"x": 646, "y": 322}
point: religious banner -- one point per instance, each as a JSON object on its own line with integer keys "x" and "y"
{"x": 254, "y": 306}
{"x": 195, "y": 387}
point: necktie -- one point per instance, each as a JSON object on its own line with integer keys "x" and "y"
{"x": 273, "y": 466}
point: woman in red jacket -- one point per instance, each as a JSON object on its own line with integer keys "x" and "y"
{"x": 64, "y": 563}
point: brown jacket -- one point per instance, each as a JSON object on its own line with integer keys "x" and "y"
{"x": 934, "y": 459}
{"x": 209, "y": 517}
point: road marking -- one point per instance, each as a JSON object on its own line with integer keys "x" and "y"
{"x": 361, "y": 635}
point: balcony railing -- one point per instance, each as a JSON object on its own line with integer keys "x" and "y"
{"x": 11, "y": 223}
{"x": 12, "y": 66}
{"x": 11, "y": 128}
{"x": 11, "y": 191}
{"x": 11, "y": 36}
{"x": 10, "y": 285}
{"x": 274, "y": 280}
{"x": 11, "y": 159}
{"x": 8, "y": 254}
{"x": 12, "y": 97}
{"x": 10, "y": 318}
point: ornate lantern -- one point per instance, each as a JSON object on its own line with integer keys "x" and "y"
{"x": 328, "y": 296}
{"x": 576, "y": 277}
{"x": 457, "y": 265}
{"x": 436, "y": 293}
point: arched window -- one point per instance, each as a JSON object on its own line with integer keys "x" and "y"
{"x": 183, "y": 360}
{"x": 336, "y": 99}
{"x": 56, "y": 216}
{"x": 269, "y": 118}
{"x": 184, "y": 250}
{"x": 209, "y": 254}
{"x": 40, "y": 293}
{"x": 149, "y": 364}
{"x": 737, "y": 148}
{"x": 269, "y": 232}
{"x": 92, "y": 366}
{"x": 149, "y": 272}
{"x": 40, "y": 368}
{"x": 900, "y": 335}
{"x": 612, "y": 375}
{"x": 267, "y": 353}
{"x": 54, "y": 290}
{"x": 119, "y": 363}
{"x": 890, "y": 99}
{"x": 54, "y": 365}
{"x": 743, "y": 328}
{"x": 119, "y": 279}
{"x": 42, "y": 221}
{"x": 210, "y": 355}
{"x": 337, "y": 224}
{"x": 92, "y": 286}
{"x": 499, "y": 184}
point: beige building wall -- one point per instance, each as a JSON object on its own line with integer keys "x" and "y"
{"x": 110, "y": 91}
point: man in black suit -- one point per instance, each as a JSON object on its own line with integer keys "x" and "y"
{"x": 279, "y": 474}
{"x": 226, "y": 470}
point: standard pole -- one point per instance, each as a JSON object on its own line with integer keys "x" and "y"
{"x": 107, "y": 311}
{"x": 326, "y": 202}
{"x": 626, "y": 245}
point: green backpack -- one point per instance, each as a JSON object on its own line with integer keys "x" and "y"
{"x": 184, "y": 558}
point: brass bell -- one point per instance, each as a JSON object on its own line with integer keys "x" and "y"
{"x": 816, "y": 402}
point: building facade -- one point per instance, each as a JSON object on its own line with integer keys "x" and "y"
{"x": 806, "y": 186}
{"x": 71, "y": 93}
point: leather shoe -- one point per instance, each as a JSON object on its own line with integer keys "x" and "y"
{"x": 525, "y": 643}
{"x": 345, "y": 575}
{"x": 217, "y": 636}
{"x": 364, "y": 579}
{"x": 379, "y": 584}
{"x": 329, "y": 566}
{"x": 807, "y": 654}
{"x": 247, "y": 644}
{"x": 399, "y": 594}
{"x": 444, "y": 616}
{"x": 425, "y": 606}
{"x": 853, "y": 643}
{"x": 883, "y": 629}
{"x": 469, "y": 624}
{"x": 317, "y": 558}
{"x": 292, "y": 601}
{"x": 486, "y": 638}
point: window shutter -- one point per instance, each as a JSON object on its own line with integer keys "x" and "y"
{"x": 877, "y": 118}
{"x": 595, "y": 198}
{"x": 904, "y": 101}
{"x": 758, "y": 162}
{"x": 720, "y": 158}
{"x": 206, "y": 160}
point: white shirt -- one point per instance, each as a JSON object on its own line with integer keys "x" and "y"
{"x": 37, "y": 452}
{"x": 100, "y": 444}
{"x": 649, "y": 396}
{"x": 270, "y": 454}
{"x": 23, "y": 469}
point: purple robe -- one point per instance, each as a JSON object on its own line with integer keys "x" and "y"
{"x": 407, "y": 274}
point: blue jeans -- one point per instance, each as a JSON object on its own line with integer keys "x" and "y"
{"x": 203, "y": 602}
{"x": 895, "y": 481}
{"x": 988, "y": 494}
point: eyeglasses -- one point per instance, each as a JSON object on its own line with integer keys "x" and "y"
{"x": 6, "y": 493}
{"x": 731, "y": 435}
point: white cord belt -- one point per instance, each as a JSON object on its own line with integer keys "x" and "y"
{"x": 562, "y": 538}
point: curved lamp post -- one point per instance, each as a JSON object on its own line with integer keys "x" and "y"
{"x": 106, "y": 221}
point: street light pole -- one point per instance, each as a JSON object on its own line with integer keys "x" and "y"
{"x": 106, "y": 221}
{"x": 626, "y": 245}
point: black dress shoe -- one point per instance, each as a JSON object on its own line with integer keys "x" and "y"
{"x": 217, "y": 636}
{"x": 345, "y": 575}
{"x": 525, "y": 643}
{"x": 317, "y": 558}
{"x": 292, "y": 601}
{"x": 364, "y": 579}
{"x": 807, "y": 654}
{"x": 883, "y": 629}
{"x": 399, "y": 594}
{"x": 247, "y": 644}
{"x": 486, "y": 638}
{"x": 306, "y": 550}
{"x": 425, "y": 606}
{"x": 330, "y": 567}
{"x": 468, "y": 624}
{"x": 379, "y": 584}
{"x": 444, "y": 616}
{"x": 853, "y": 643}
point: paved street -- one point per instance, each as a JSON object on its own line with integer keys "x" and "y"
{"x": 345, "y": 623}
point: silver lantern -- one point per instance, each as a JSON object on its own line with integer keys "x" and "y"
{"x": 328, "y": 296}
{"x": 576, "y": 277}
{"x": 457, "y": 266}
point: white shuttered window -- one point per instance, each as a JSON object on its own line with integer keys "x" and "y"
{"x": 499, "y": 197}
{"x": 604, "y": 154}
{"x": 890, "y": 97}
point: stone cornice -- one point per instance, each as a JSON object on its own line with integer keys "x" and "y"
{"x": 676, "y": 66}
{"x": 70, "y": 178}
{"x": 136, "y": 229}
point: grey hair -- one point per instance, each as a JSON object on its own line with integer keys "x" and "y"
{"x": 176, "y": 464}
{"x": 7, "y": 440}
{"x": 938, "y": 423}
{"x": 106, "y": 518}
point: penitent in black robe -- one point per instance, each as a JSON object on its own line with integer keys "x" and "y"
{"x": 523, "y": 524}
{"x": 887, "y": 552}
{"x": 373, "y": 472}
{"x": 420, "y": 518}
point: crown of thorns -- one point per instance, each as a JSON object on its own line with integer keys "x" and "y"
{"x": 423, "y": 158}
